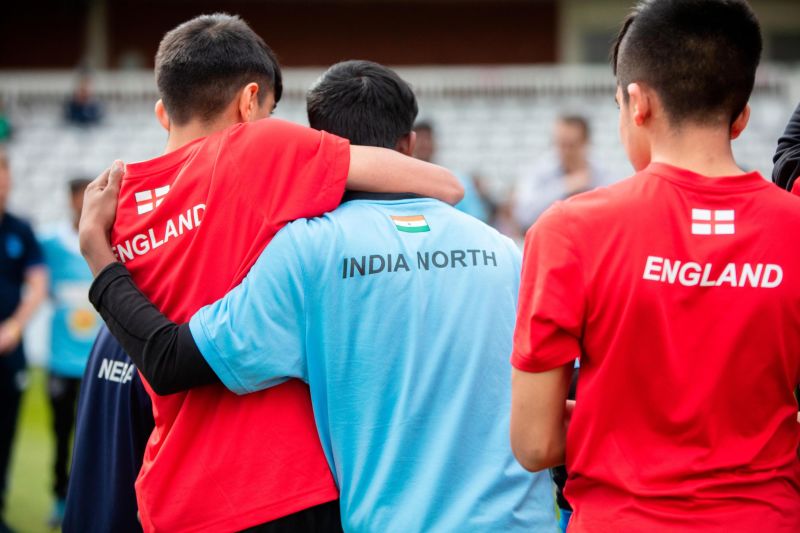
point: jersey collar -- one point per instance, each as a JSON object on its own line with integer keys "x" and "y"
{"x": 385, "y": 196}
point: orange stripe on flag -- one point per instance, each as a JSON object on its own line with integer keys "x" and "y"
{"x": 417, "y": 218}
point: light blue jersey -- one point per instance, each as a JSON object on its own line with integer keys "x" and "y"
{"x": 74, "y": 323}
{"x": 399, "y": 314}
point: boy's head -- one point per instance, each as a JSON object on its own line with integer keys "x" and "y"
{"x": 571, "y": 138}
{"x": 425, "y": 148}
{"x": 694, "y": 59}
{"x": 77, "y": 186}
{"x": 366, "y": 103}
{"x": 211, "y": 65}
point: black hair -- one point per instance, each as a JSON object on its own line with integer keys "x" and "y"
{"x": 203, "y": 63}
{"x": 362, "y": 101}
{"x": 77, "y": 185}
{"x": 578, "y": 121}
{"x": 699, "y": 56}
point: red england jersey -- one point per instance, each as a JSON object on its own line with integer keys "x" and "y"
{"x": 189, "y": 226}
{"x": 683, "y": 303}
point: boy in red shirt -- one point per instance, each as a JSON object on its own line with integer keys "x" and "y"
{"x": 189, "y": 226}
{"x": 681, "y": 300}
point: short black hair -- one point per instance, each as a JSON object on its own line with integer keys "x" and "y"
{"x": 78, "y": 185}
{"x": 699, "y": 56}
{"x": 578, "y": 121}
{"x": 201, "y": 64}
{"x": 362, "y": 101}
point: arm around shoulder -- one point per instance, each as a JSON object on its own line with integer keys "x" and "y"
{"x": 383, "y": 170}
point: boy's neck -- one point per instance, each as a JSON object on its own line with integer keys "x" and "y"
{"x": 183, "y": 135}
{"x": 702, "y": 150}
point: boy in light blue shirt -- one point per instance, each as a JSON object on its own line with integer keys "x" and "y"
{"x": 399, "y": 313}
{"x": 74, "y": 325}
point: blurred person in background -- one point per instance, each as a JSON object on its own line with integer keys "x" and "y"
{"x": 787, "y": 156}
{"x": 74, "y": 326}
{"x": 21, "y": 266}
{"x": 474, "y": 203}
{"x": 83, "y": 108}
{"x": 570, "y": 174}
{"x": 5, "y": 123}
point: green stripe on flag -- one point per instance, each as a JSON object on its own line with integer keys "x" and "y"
{"x": 416, "y": 229}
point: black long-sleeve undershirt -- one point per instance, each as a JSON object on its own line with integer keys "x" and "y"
{"x": 787, "y": 155}
{"x": 162, "y": 350}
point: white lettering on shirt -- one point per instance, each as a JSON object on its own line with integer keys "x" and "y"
{"x": 692, "y": 274}
{"x": 116, "y": 371}
{"x": 152, "y": 238}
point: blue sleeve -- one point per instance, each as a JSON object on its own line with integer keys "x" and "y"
{"x": 254, "y": 338}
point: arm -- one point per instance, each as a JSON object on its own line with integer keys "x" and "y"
{"x": 382, "y": 170}
{"x": 163, "y": 351}
{"x": 547, "y": 339}
{"x": 787, "y": 155}
{"x": 11, "y": 329}
{"x": 539, "y": 417}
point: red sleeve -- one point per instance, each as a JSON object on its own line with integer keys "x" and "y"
{"x": 290, "y": 171}
{"x": 550, "y": 313}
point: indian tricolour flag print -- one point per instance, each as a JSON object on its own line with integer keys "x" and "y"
{"x": 413, "y": 224}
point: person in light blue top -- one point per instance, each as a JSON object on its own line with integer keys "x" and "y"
{"x": 399, "y": 313}
{"x": 74, "y": 325}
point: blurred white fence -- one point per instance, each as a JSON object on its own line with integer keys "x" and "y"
{"x": 493, "y": 121}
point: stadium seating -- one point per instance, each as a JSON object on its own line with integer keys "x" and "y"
{"x": 494, "y": 122}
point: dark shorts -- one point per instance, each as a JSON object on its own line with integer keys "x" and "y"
{"x": 323, "y": 518}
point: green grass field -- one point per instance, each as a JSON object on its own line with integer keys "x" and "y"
{"x": 29, "y": 500}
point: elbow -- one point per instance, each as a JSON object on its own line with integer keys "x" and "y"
{"x": 161, "y": 389}
{"x": 535, "y": 458}
{"x": 453, "y": 190}
{"x": 160, "y": 380}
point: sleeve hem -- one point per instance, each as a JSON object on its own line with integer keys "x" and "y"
{"x": 212, "y": 356}
{"x": 526, "y": 363}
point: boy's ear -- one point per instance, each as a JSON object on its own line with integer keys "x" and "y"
{"x": 407, "y": 143}
{"x": 740, "y": 123}
{"x": 640, "y": 103}
{"x": 162, "y": 115}
{"x": 248, "y": 102}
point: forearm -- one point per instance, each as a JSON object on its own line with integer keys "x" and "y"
{"x": 163, "y": 351}
{"x": 35, "y": 294}
{"x": 382, "y": 170}
{"x": 539, "y": 417}
{"x": 787, "y": 155}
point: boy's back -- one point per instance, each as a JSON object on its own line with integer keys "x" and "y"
{"x": 403, "y": 312}
{"x": 690, "y": 351}
{"x": 189, "y": 226}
